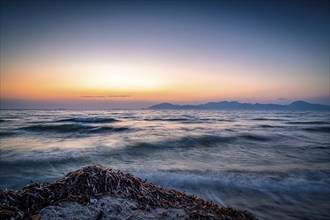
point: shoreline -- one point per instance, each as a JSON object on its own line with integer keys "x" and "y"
{"x": 99, "y": 191}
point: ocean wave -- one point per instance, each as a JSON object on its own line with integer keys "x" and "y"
{"x": 89, "y": 120}
{"x": 190, "y": 120}
{"x": 72, "y": 128}
{"x": 267, "y": 119}
{"x": 184, "y": 142}
{"x": 318, "y": 129}
{"x": 321, "y": 147}
{"x": 167, "y": 119}
{"x": 129, "y": 117}
{"x": 266, "y": 126}
{"x": 226, "y": 120}
{"x": 16, "y": 174}
{"x": 292, "y": 182}
{"x": 108, "y": 129}
{"x": 205, "y": 141}
{"x": 307, "y": 122}
{"x": 7, "y": 134}
{"x": 40, "y": 162}
{"x": 253, "y": 137}
{"x": 270, "y": 126}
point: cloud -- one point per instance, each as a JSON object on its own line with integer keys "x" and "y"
{"x": 93, "y": 96}
{"x": 108, "y": 96}
{"x": 119, "y": 96}
{"x": 282, "y": 99}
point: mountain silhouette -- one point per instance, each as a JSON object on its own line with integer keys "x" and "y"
{"x": 234, "y": 105}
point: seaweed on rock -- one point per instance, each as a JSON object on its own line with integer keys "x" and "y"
{"x": 96, "y": 181}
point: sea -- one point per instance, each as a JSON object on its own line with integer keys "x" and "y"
{"x": 274, "y": 164}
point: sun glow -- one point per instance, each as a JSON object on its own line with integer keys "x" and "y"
{"x": 116, "y": 76}
{"x": 122, "y": 82}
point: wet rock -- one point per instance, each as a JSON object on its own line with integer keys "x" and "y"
{"x": 91, "y": 183}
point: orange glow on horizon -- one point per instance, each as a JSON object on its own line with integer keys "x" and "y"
{"x": 138, "y": 80}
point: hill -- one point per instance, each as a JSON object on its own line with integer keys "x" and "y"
{"x": 234, "y": 105}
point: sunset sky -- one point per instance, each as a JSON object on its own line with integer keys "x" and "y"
{"x": 132, "y": 54}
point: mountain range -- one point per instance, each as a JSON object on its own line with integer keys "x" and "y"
{"x": 234, "y": 105}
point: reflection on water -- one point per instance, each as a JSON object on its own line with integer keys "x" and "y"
{"x": 276, "y": 164}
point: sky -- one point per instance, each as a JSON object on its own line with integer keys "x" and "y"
{"x": 133, "y": 54}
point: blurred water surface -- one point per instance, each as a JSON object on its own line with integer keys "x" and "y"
{"x": 275, "y": 164}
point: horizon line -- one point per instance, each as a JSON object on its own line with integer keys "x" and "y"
{"x": 147, "y": 107}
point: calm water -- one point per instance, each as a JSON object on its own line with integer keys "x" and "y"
{"x": 276, "y": 164}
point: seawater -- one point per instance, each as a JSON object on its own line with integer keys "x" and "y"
{"x": 275, "y": 164}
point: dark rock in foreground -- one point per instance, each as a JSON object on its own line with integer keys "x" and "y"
{"x": 95, "y": 181}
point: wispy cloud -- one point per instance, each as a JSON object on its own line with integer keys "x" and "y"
{"x": 107, "y": 96}
{"x": 93, "y": 96}
{"x": 119, "y": 96}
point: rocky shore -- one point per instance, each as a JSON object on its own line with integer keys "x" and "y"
{"x": 94, "y": 192}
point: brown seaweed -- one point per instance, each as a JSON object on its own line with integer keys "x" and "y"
{"x": 94, "y": 181}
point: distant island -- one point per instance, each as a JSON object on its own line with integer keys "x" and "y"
{"x": 234, "y": 105}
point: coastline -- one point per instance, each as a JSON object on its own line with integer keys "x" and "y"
{"x": 96, "y": 192}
